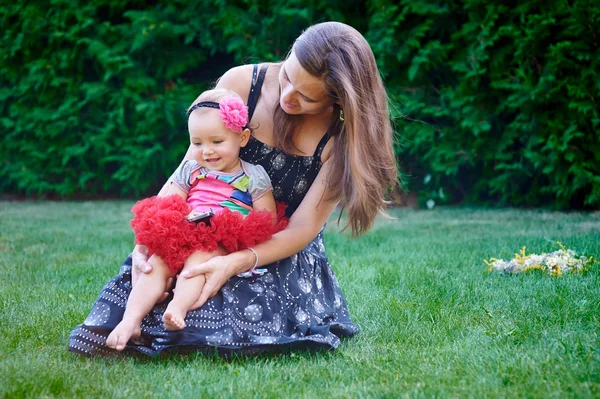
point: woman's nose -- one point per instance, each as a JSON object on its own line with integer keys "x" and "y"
{"x": 287, "y": 94}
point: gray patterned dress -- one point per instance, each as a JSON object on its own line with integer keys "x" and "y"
{"x": 296, "y": 304}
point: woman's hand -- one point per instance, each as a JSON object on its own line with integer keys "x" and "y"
{"x": 140, "y": 264}
{"x": 217, "y": 271}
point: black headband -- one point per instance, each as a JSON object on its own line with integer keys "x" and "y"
{"x": 205, "y": 104}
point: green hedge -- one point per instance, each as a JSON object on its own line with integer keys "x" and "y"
{"x": 493, "y": 102}
{"x": 497, "y": 101}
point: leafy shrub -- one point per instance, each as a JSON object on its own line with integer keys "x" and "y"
{"x": 497, "y": 101}
{"x": 93, "y": 96}
{"x": 494, "y": 102}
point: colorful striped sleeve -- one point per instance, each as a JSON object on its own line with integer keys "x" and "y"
{"x": 181, "y": 176}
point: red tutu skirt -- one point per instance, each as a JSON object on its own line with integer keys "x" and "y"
{"x": 160, "y": 224}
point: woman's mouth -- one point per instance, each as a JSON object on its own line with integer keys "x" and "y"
{"x": 288, "y": 105}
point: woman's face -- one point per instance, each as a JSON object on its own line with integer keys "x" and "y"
{"x": 301, "y": 92}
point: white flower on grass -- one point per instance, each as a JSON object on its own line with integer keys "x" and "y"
{"x": 534, "y": 260}
{"x": 555, "y": 263}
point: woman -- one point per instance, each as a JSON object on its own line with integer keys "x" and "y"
{"x": 324, "y": 136}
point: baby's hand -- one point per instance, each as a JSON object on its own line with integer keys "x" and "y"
{"x": 200, "y": 216}
{"x": 191, "y": 215}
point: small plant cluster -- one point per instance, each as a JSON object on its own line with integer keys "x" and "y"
{"x": 555, "y": 263}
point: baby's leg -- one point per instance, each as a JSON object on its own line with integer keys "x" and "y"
{"x": 187, "y": 292}
{"x": 144, "y": 295}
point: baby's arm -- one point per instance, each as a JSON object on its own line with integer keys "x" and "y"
{"x": 266, "y": 203}
{"x": 179, "y": 182}
{"x": 140, "y": 252}
{"x": 171, "y": 188}
{"x": 261, "y": 190}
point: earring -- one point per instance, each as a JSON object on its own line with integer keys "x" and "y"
{"x": 341, "y": 114}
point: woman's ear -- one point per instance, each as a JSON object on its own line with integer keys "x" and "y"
{"x": 244, "y": 137}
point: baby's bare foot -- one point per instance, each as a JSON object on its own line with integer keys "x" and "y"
{"x": 174, "y": 318}
{"x": 119, "y": 337}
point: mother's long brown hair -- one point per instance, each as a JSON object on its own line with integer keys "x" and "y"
{"x": 364, "y": 165}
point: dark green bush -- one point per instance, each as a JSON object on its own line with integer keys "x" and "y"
{"x": 93, "y": 96}
{"x": 499, "y": 100}
{"x": 495, "y": 102}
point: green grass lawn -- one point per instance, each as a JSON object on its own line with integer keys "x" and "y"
{"x": 434, "y": 324}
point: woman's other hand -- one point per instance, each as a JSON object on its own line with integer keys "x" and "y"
{"x": 217, "y": 271}
{"x": 140, "y": 264}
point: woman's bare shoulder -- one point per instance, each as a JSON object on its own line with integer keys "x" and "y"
{"x": 238, "y": 79}
{"x": 273, "y": 72}
{"x": 328, "y": 150}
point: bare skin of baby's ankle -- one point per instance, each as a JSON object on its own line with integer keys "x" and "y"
{"x": 174, "y": 317}
{"x": 187, "y": 292}
{"x": 144, "y": 295}
{"x": 122, "y": 333}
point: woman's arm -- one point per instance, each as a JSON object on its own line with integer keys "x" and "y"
{"x": 305, "y": 224}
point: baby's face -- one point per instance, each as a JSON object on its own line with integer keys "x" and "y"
{"x": 213, "y": 145}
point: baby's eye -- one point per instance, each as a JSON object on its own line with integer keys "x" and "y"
{"x": 217, "y": 141}
{"x": 197, "y": 143}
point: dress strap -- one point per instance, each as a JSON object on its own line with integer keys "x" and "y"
{"x": 257, "y": 81}
{"x": 322, "y": 145}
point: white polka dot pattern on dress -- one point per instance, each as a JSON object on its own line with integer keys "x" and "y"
{"x": 280, "y": 308}
{"x": 253, "y": 312}
{"x": 99, "y": 315}
{"x": 278, "y": 162}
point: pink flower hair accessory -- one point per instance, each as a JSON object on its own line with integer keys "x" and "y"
{"x": 234, "y": 113}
